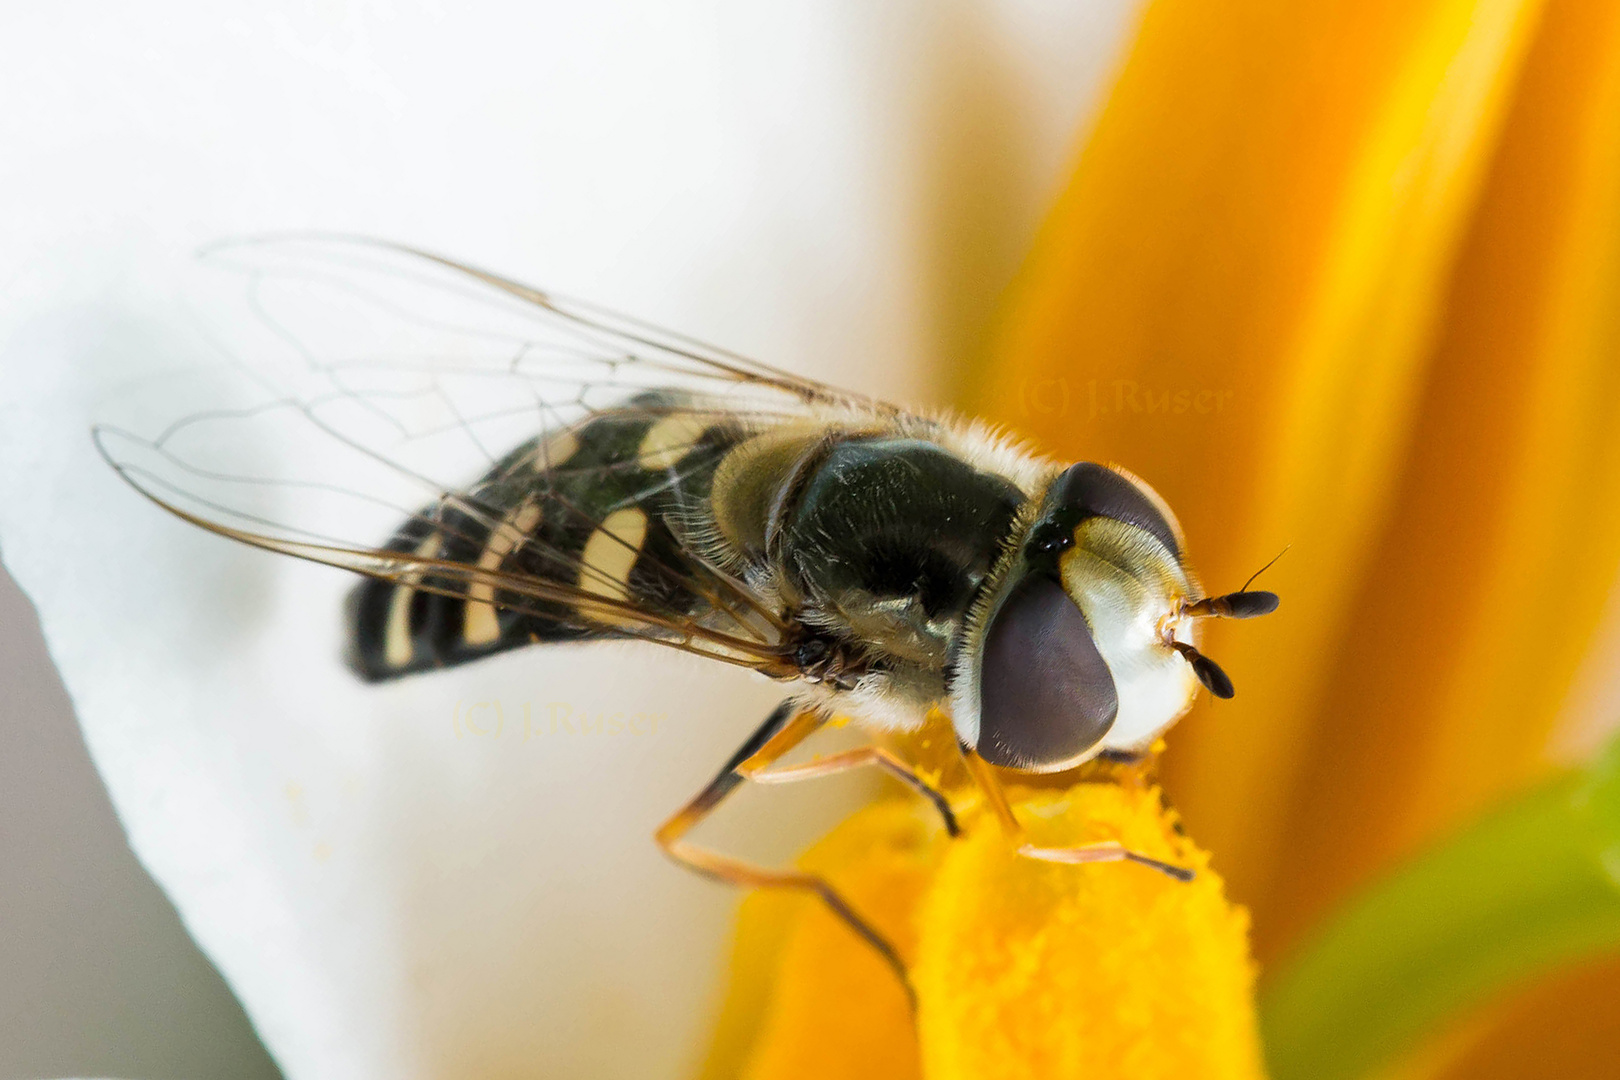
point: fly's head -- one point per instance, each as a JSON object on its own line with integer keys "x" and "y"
{"x": 1085, "y": 639}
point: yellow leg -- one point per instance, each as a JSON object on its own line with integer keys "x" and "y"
{"x": 854, "y": 759}
{"x": 782, "y": 731}
{"x": 1104, "y": 851}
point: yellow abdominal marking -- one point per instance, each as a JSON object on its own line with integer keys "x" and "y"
{"x": 609, "y": 556}
{"x": 555, "y": 451}
{"x": 397, "y": 649}
{"x": 669, "y": 440}
{"x": 480, "y": 626}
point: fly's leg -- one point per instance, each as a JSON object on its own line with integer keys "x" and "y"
{"x": 854, "y": 759}
{"x": 1103, "y": 851}
{"x": 784, "y": 729}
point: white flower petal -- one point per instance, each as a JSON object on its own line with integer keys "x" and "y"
{"x": 841, "y": 189}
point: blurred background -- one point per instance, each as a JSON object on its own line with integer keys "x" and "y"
{"x": 1340, "y": 277}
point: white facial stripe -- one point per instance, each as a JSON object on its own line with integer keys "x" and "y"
{"x": 480, "y": 626}
{"x": 397, "y": 648}
{"x": 555, "y": 451}
{"x": 610, "y": 555}
{"x": 669, "y": 440}
{"x": 1125, "y": 612}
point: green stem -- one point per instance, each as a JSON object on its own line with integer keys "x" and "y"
{"x": 1532, "y": 886}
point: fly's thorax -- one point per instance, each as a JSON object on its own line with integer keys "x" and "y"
{"x": 1068, "y": 650}
{"x": 885, "y": 537}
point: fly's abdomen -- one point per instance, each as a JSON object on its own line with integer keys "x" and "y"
{"x": 591, "y": 520}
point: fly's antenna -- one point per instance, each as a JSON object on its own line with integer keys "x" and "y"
{"x": 1208, "y": 671}
{"x": 1242, "y": 604}
{"x": 1266, "y": 567}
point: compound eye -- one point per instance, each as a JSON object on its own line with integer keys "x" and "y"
{"x": 1046, "y": 695}
{"x": 1092, "y": 490}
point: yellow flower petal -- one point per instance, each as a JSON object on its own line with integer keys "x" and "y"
{"x": 1503, "y": 542}
{"x": 1022, "y": 968}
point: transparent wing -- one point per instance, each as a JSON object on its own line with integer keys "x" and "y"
{"x": 365, "y": 388}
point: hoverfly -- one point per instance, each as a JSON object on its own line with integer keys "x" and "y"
{"x": 631, "y": 483}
